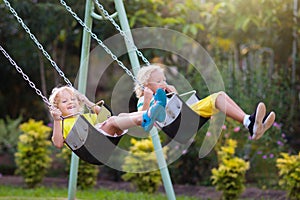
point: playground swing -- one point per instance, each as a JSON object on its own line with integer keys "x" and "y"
{"x": 180, "y": 121}
{"x": 176, "y": 109}
{"x": 84, "y": 139}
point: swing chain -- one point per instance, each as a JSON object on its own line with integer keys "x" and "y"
{"x": 93, "y": 35}
{"x": 34, "y": 39}
{"x": 31, "y": 84}
{"x": 107, "y": 16}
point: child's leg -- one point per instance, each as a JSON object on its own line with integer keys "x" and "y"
{"x": 254, "y": 122}
{"x": 219, "y": 102}
{"x": 116, "y": 124}
{"x": 226, "y": 105}
{"x": 157, "y": 112}
{"x": 257, "y": 123}
{"x": 128, "y": 114}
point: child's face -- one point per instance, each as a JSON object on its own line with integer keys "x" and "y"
{"x": 67, "y": 103}
{"x": 157, "y": 80}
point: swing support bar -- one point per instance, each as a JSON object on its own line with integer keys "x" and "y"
{"x": 154, "y": 133}
{"x": 125, "y": 27}
{"x": 82, "y": 82}
{"x": 82, "y": 88}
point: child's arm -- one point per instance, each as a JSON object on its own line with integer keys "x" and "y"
{"x": 171, "y": 89}
{"x": 57, "y": 136}
{"x": 94, "y": 107}
{"x": 148, "y": 95}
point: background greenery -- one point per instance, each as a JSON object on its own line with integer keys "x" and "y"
{"x": 251, "y": 43}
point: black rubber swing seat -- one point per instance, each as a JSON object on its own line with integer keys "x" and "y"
{"x": 88, "y": 143}
{"x": 181, "y": 122}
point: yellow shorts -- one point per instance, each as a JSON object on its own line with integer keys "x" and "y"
{"x": 206, "y": 107}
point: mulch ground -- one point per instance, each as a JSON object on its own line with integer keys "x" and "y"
{"x": 186, "y": 190}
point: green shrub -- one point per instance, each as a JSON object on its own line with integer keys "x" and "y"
{"x": 230, "y": 175}
{"x": 138, "y": 165}
{"x": 9, "y": 133}
{"x": 33, "y": 155}
{"x": 289, "y": 172}
{"x": 261, "y": 153}
{"x": 87, "y": 173}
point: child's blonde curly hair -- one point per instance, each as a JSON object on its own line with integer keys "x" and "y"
{"x": 143, "y": 77}
{"x": 53, "y": 99}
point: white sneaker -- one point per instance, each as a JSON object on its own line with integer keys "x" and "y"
{"x": 256, "y": 127}
{"x": 269, "y": 120}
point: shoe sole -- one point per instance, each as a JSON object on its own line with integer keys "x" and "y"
{"x": 160, "y": 97}
{"x": 158, "y": 113}
{"x": 269, "y": 121}
{"x": 258, "y": 129}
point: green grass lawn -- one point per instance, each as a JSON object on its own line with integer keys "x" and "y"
{"x": 43, "y": 193}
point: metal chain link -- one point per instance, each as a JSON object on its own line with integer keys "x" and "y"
{"x": 31, "y": 84}
{"x": 107, "y": 16}
{"x": 37, "y": 43}
{"x": 93, "y": 35}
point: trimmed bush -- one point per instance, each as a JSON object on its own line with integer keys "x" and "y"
{"x": 289, "y": 172}
{"x": 33, "y": 154}
{"x": 229, "y": 177}
{"x": 142, "y": 159}
{"x": 87, "y": 173}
